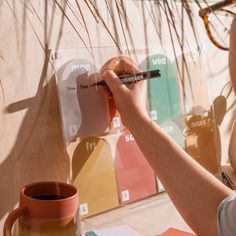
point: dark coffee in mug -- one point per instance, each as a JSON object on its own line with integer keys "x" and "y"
{"x": 48, "y": 197}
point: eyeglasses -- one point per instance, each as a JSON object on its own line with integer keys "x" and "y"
{"x": 217, "y": 21}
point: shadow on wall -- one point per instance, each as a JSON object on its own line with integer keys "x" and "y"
{"x": 38, "y": 153}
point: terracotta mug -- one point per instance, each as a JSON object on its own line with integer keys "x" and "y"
{"x": 46, "y": 209}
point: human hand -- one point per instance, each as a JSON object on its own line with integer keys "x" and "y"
{"x": 130, "y": 99}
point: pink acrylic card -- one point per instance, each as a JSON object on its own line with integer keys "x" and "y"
{"x": 135, "y": 177}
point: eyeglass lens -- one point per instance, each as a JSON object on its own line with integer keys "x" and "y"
{"x": 219, "y": 23}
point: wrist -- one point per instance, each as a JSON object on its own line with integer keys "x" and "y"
{"x": 134, "y": 119}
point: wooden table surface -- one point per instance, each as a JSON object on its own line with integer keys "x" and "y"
{"x": 149, "y": 217}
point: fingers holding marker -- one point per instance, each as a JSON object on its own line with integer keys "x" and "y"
{"x": 114, "y": 83}
{"x": 111, "y": 80}
{"x": 129, "y": 97}
{"x": 115, "y": 67}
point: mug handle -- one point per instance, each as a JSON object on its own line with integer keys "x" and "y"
{"x": 12, "y": 217}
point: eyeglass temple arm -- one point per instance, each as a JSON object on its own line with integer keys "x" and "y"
{"x": 205, "y": 11}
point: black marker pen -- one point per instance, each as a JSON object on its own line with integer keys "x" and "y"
{"x": 132, "y": 78}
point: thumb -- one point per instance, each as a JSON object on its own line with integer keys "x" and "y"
{"x": 113, "y": 81}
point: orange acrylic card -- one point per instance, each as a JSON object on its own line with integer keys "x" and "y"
{"x": 176, "y": 232}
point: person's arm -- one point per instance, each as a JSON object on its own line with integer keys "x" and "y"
{"x": 194, "y": 191}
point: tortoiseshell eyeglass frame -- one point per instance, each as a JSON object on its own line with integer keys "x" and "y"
{"x": 205, "y": 12}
